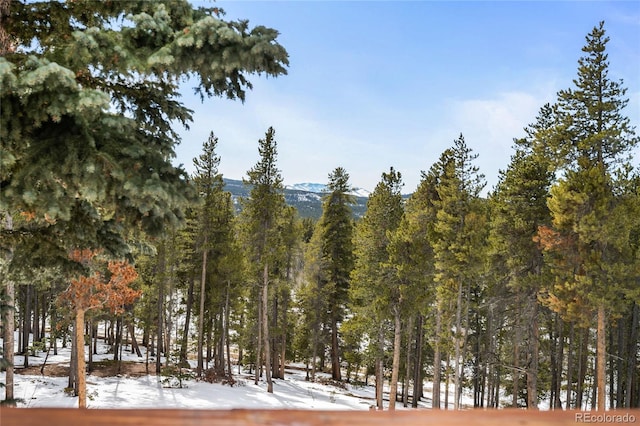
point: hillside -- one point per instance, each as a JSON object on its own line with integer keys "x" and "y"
{"x": 307, "y": 202}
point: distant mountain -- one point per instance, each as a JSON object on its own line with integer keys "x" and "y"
{"x": 305, "y": 197}
{"x": 308, "y": 187}
{"x": 320, "y": 188}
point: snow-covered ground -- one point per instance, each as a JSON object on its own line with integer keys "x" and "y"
{"x": 148, "y": 391}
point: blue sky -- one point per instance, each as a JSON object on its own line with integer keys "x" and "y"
{"x": 379, "y": 84}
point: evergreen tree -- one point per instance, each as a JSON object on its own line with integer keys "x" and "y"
{"x": 375, "y": 289}
{"x": 412, "y": 255}
{"x": 86, "y": 115}
{"x": 457, "y": 243}
{"x": 336, "y": 228}
{"x": 260, "y": 215}
{"x": 518, "y": 208}
{"x": 590, "y": 227}
{"x": 104, "y": 80}
{"x": 211, "y": 231}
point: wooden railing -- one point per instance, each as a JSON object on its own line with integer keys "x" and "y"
{"x": 73, "y": 417}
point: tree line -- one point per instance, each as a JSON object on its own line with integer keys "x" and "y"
{"x": 529, "y": 293}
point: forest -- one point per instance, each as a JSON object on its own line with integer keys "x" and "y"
{"x": 526, "y": 293}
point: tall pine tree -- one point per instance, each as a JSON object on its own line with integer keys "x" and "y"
{"x": 336, "y": 228}
{"x": 375, "y": 290}
{"x": 589, "y": 229}
{"x": 260, "y": 218}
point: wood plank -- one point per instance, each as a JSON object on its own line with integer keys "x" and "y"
{"x": 163, "y": 417}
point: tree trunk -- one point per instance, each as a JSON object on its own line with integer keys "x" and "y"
{"x": 458, "y": 347}
{"x": 632, "y": 357}
{"x": 437, "y": 361}
{"x": 259, "y": 340}
{"x": 187, "y": 321}
{"x": 570, "y": 365}
{"x": 407, "y": 369}
{"x": 35, "y": 326}
{"x": 532, "y": 368}
{"x": 8, "y": 316}
{"x": 417, "y": 368}
{"x": 601, "y": 359}
{"x": 265, "y": 326}
{"x": 92, "y": 339}
{"x": 516, "y": 370}
{"x": 73, "y": 362}
{"x": 316, "y": 338}
{"x": 336, "y": 374}
{"x": 380, "y": 369}
{"x": 395, "y": 368}
{"x": 134, "y": 343}
{"x": 283, "y": 348}
{"x": 275, "y": 353}
{"x": 582, "y": 366}
{"x": 26, "y": 328}
{"x": 226, "y": 330}
{"x": 81, "y": 374}
{"x": 559, "y": 360}
{"x": 203, "y": 279}
{"x": 446, "y": 382}
{"x": 620, "y": 362}
{"x": 160, "y": 310}
{"x": 118, "y": 339}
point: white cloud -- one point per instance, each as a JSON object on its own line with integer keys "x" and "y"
{"x": 366, "y": 141}
{"x": 490, "y": 126}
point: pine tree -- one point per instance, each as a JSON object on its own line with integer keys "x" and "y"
{"x": 86, "y": 116}
{"x": 375, "y": 290}
{"x": 518, "y": 208}
{"x": 209, "y": 185}
{"x": 336, "y": 228}
{"x": 457, "y": 243}
{"x": 412, "y": 255}
{"x": 589, "y": 229}
{"x": 260, "y": 215}
{"x": 115, "y": 162}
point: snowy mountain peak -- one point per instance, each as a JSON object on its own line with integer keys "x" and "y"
{"x": 309, "y": 187}
{"x": 320, "y": 188}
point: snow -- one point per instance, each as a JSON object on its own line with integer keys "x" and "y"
{"x": 148, "y": 391}
{"x": 320, "y": 188}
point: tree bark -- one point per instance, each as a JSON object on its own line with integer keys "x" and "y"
{"x": 203, "y": 279}
{"x": 160, "y": 310}
{"x": 283, "y": 348}
{"x": 187, "y": 321}
{"x": 395, "y": 368}
{"x": 601, "y": 359}
{"x": 26, "y": 325}
{"x": 582, "y": 366}
{"x": 380, "y": 369}
{"x": 532, "y": 368}
{"x": 458, "y": 348}
{"x": 570, "y": 365}
{"x": 226, "y": 330}
{"x": 417, "y": 368}
{"x": 134, "y": 343}
{"x": 259, "y": 340}
{"x": 516, "y": 372}
{"x": 81, "y": 374}
{"x": 437, "y": 361}
{"x": 8, "y": 316}
{"x": 336, "y": 374}
{"x": 632, "y": 357}
{"x": 407, "y": 370}
{"x": 265, "y": 327}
